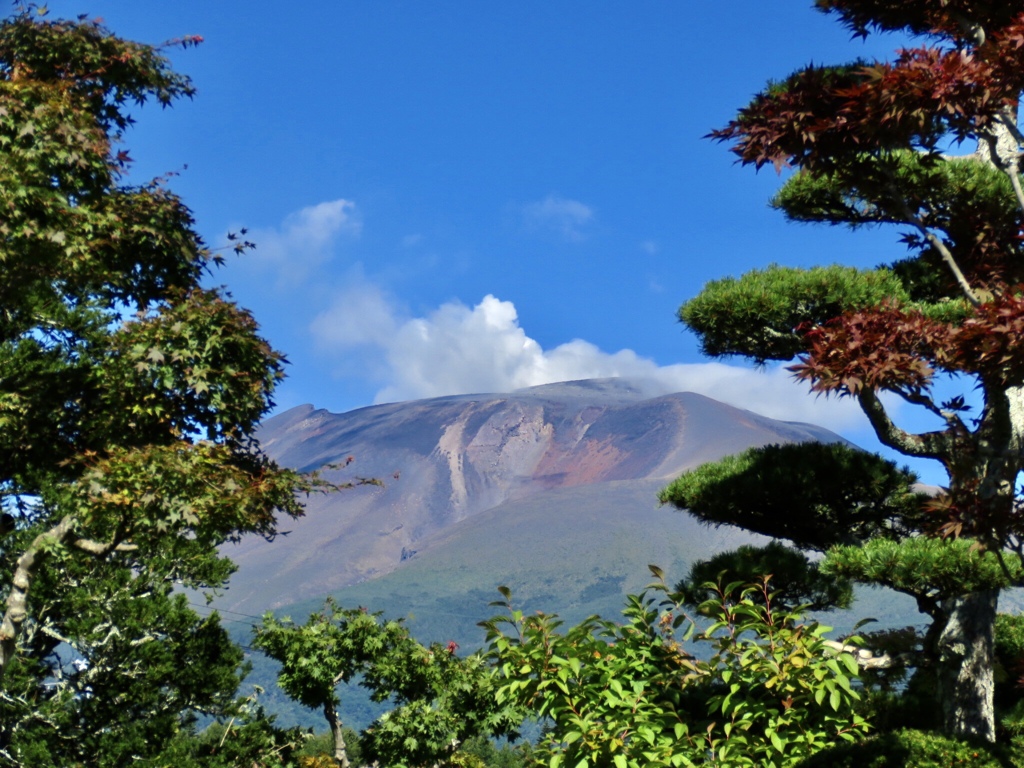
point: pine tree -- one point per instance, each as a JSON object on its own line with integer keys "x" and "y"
{"x": 927, "y": 143}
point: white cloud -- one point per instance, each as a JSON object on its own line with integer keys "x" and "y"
{"x": 566, "y": 218}
{"x": 457, "y": 349}
{"x": 304, "y": 240}
{"x": 360, "y": 315}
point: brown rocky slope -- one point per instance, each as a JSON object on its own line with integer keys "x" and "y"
{"x": 463, "y": 468}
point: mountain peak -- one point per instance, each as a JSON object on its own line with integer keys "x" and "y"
{"x": 446, "y": 460}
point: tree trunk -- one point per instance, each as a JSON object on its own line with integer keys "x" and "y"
{"x": 16, "y": 608}
{"x": 340, "y": 754}
{"x": 964, "y": 666}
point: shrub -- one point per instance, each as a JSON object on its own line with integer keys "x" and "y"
{"x": 920, "y": 749}
{"x": 634, "y": 695}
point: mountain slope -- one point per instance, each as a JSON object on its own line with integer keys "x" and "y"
{"x": 454, "y": 467}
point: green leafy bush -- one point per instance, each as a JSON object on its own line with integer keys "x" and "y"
{"x": 919, "y": 749}
{"x": 633, "y": 695}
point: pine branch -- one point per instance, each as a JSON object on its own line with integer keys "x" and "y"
{"x": 943, "y": 251}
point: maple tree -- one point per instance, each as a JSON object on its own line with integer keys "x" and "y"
{"x": 440, "y": 699}
{"x": 129, "y": 394}
{"x": 928, "y": 143}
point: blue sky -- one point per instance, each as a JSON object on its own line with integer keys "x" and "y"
{"x": 460, "y": 196}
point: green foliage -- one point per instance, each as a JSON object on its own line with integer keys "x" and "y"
{"x": 796, "y": 581}
{"x": 971, "y": 202}
{"x": 760, "y": 315}
{"x": 913, "y": 748}
{"x": 933, "y": 569}
{"x": 128, "y": 402}
{"x": 321, "y": 746}
{"x": 330, "y": 648}
{"x": 1009, "y": 641}
{"x": 813, "y": 494}
{"x": 1008, "y": 647}
{"x": 946, "y": 188}
{"x": 440, "y": 699}
{"x": 248, "y": 738}
{"x": 482, "y": 752}
{"x": 634, "y": 695}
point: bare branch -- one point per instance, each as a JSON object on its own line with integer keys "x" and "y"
{"x": 100, "y": 548}
{"x": 1014, "y": 174}
{"x": 50, "y": 632}
{"x": 933, "y": 445}
{"x": 918, "y": 398}
{"x": 947, "y": 255}
{"x": 1005, "y": 568}
{"x": 866, "y": 659}
{"x": 1005, "y": 151}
